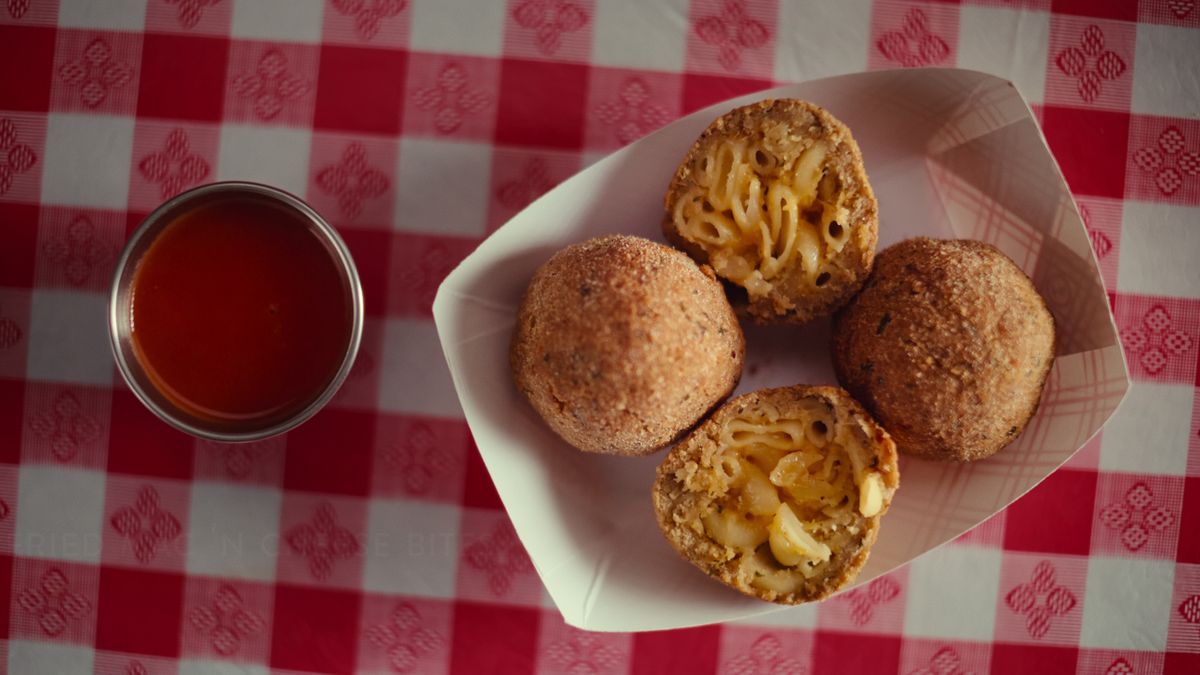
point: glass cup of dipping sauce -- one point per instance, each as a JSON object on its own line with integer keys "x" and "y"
{"x": 236, "y": 312}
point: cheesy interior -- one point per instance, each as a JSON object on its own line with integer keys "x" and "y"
{"x": 795, "y": 491}
{"x": 765, "y": 207}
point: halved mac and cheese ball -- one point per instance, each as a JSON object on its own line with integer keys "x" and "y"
{"x": 779, "y": 493}
{"x": 775, "y": 198}
{"x": 623, "y": 344}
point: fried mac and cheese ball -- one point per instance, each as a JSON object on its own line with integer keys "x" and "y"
{"x": 774, "y": 196}
{"x": 779, "y": 493}
{"x": 623, "y": 344}
{"x": 948, "y": 345}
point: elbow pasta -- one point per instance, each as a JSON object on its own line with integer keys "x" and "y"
{"x": 797, "y": 489}
{"x": 760, "y": 217}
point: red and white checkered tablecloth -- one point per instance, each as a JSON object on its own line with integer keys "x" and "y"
{"x": 371, "y": 539}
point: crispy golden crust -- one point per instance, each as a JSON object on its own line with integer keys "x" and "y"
{"x": 948, "y": 345}
{"x": 792, "y": 125}
{"x": 687, "y": 484}
{"x": 623, "y": 344}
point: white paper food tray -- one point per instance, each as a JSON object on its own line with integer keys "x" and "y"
{"x": 950, "y": 153}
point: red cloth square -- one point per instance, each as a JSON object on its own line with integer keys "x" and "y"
{"x": 26, "y": 59}
{"x": 370, "y": 248}
{"x": 183, "y": 77}
{"x": 1180, "y": 663}
{"x": 19, "y": 251}
{"x": 542, "y": 104}
{"x": 141, "y": 444}
{"x": 850, "y": 654}
{"x": 1189, "y": 543}
{"x": 360, "y": 89}
{"x": 315, "y": 629}
{"x": 1012, "y": 658}
{"x": 478, "y": 489}
{"x": 1090, "y": 146}
{"x": 1055, "y": 516}
{"x": 14, "y": 331}
{"x": 704, "y": 90}
{"x": 6, "y": 570}
{"x": 8, "y": 501}
{"x": 690, "y": 650}
{"x": 331, "y": 453}
{"x": 150, "y": 601}
{"x": 1122, "y": 10}
{"x": 22, "y": 147}
{"x": 492, "y": 639}
{"x": 420, "y": 262}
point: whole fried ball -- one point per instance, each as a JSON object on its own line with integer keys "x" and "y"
{"x": 623, "y": 344}
{"x": 948, "y": 345}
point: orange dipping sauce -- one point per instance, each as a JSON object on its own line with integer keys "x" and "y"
{"x": 241, "y": 315}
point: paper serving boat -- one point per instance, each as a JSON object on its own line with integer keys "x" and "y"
{"x": 950, "y": 153}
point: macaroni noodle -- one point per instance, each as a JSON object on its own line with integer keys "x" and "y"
{"x": 759, "y": 216}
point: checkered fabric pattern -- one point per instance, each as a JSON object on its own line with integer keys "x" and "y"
{"x": 371, "y": 539}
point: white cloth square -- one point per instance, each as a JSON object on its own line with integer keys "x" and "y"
{"x": 414, "y": 377}
{"x": 86, "y": 161}
{"x": 280, "y": 20}
{"x": 411, "y": 548}
{"x": 1125, "y": 603}
{"x": 271, "y": 155}
{"x": 60, "y": 514}
{"x": 1008, "y": 43}
{"x": 442, "y": 187}
{"x": 68, "y": 338}
{"x": 1149, "y": 432}
{"x": 1167, "y": 65}
{"x": 233, "y": 530}
{"x": 458, "y": 26}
